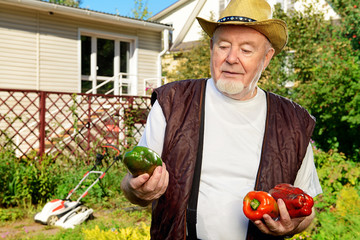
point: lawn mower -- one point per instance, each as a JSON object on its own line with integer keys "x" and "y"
{"x": 66, "y": 213}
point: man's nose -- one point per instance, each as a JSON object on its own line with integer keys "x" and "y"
{"x": 232, "y": 57}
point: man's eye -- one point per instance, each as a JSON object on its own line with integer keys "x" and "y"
{"x": 246, "y": 51}
{"x": 223, "y": 47}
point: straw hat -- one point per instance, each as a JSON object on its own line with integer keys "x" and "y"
{"x": 255, "y": 14}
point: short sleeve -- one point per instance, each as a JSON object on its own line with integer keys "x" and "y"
{"x": 153, "y": 135}
{"x": 307, "y": 178}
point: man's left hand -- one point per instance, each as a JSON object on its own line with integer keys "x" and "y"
{"x": 284, "y": 225}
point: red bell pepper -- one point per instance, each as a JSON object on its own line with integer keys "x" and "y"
{"x": 298, "y": 203}
{"x": 258, "y": 203}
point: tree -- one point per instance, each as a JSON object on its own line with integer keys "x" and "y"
{"x": 193, "y": 63}
{"x": 325, "y": 71}
{"x": 140, "y": 10}
{"x": 350, "y": 19}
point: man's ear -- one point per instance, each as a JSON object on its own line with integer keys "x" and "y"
{"x": 270, "y": 53}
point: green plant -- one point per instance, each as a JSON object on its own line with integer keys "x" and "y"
{"x": 141, "y": 10}
{"x": 348, "y": 201}
{"x": 349, "y": 10}
{"x": 321, "y": 72}
{"x": 74, "y": 108}
{"x": 11, "y": 214}
{"x": 334, "y": 171}
{"x": 338, "y": 206}
{"x": 140, "y": 232}
{"x": 342, "y": 222}
{"x": 194, "y": 62}
{"x": 133, "y": 116}
{"x": 28, "y": 181}
{"x": 301, "y": 236}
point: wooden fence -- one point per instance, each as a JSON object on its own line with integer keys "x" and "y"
{"x": 69, "y": 124}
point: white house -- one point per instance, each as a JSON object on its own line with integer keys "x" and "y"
{"x": 182, "y": 15}
{"x": 52, "y": 47}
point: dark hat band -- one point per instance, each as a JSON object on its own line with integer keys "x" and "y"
{"x": 236, "y": 18}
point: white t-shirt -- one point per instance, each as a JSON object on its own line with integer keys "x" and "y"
{"x": 233, "y": 136}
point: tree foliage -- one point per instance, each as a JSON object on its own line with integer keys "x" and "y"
{"x": 319, "y": 69}
{"x": 194, "y": 63}
{"x": 325, "y": 71}
{"x": 349, "y": 10}
{"x": 140, "y": 10}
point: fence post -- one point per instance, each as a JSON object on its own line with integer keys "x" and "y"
{"x": 88, "y": 124}
{"x": 42, "y": 110}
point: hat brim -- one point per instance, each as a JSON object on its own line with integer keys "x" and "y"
{"x": 274, "y": 30}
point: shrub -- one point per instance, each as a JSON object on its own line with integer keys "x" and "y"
{"x": 338, "y": 207}
{"x": 29, "y": 181}
{"x": 140, "y": 232}
{"x": 343, "y": 221}
{"x": 26, "y": 181}
{"x": 334, "y": 171}
{"x": 11, "y": 214}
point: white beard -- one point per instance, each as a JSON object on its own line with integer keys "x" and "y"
{"x": 229, "y": 87}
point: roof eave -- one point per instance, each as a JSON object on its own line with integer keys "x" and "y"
{"x": 88, "y": 14}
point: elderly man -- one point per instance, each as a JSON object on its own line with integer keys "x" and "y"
{"x": 222, "y": 137}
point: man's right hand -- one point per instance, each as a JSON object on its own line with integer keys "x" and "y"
{"x": 143, "y": 189}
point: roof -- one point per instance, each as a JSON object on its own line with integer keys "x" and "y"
{"x": 185, "y": 46}
{"x": 84, "y": 13}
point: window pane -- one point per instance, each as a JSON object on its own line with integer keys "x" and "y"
{"x": 107, "y": 87}
{"x": 105, "y": 57}
{"x": 85, "y": 55}
{"x": 124, "y": 57}
{"x": 86, "y": 86}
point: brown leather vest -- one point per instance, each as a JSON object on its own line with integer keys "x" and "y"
{"x": 287, "y": 135}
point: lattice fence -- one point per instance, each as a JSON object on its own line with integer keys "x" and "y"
{"x": 69, "y": 124}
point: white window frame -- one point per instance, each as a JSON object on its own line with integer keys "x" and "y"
{"x": 117, "y": 37}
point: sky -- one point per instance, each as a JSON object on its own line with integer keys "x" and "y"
{"x": 124, "y": 7}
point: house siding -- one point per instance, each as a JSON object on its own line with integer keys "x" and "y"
{"x": 39, "y": 50}
{"x": 148, "y": 41}
{"x": 58, "y": 54}
{"x": 17, "y": 52}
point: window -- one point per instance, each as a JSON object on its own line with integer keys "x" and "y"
{"x": 99, "y": 56}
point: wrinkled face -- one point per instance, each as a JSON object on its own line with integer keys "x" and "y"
{"x": 238, "y": 57}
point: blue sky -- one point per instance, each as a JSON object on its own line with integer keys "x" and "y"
{"x": 124, "y": 7}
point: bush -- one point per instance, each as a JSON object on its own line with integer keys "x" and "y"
{"x": 30, "y": 181}
{"x": 335, "y": 171}
{"x": 26, "y": 181}
{"x": 338, "y": 207}
{"x": 10, "y": 214}
{"x": 343, "y": 221}
{"x": 140, "y": 232}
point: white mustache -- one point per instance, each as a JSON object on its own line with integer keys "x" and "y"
{"x": 232, "y": 71}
